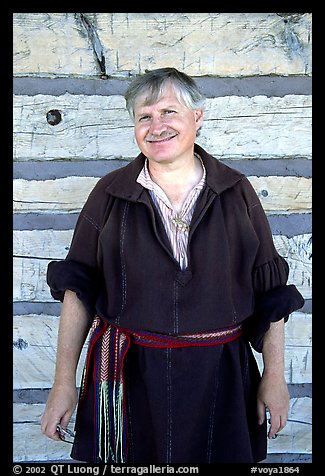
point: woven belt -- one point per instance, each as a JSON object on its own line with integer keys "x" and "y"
{"x": 108, "y": 345}
{"x": 151, "y": 339}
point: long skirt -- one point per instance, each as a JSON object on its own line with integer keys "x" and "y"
{"x": 190, "y": 405}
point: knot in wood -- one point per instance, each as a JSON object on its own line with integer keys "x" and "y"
{"x": 53, "y": 117}
{"x": 20, "y": 344}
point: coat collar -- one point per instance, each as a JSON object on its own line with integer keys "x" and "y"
{"x": 220, "y": 177}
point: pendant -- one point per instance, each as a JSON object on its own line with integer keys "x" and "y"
{"x": 180, "y": 224}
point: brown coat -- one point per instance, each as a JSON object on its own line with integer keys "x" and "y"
{"x": 121, "y": 264}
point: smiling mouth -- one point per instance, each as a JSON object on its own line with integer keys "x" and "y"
{"x": 160, "y": 139}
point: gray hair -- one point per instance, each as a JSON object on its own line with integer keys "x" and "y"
{"x": 154, "y": 83}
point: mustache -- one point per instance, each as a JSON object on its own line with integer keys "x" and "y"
{"x": 162, "y": 136}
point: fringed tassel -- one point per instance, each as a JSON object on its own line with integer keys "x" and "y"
{"x": 105, "y": 361}
{"x": 111, "y": 422}
{"x": 105, "y": 450}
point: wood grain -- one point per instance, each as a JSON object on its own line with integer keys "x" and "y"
{"x": 221, "y": 44}
{"x": 99, "y": 127}
{"x": 68, "y": 194}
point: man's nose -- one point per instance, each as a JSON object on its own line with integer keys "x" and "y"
{"x": 157, "y": 125}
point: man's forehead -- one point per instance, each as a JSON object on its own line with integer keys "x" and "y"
{"x": 166, "y": 97}
{"x": 162, "y": 101}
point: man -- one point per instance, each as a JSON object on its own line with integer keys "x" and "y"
{"x": 173, "y": 266}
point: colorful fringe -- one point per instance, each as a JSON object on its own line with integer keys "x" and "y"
{"x": 108, "y": 345}
{"x": 105, "y": 358}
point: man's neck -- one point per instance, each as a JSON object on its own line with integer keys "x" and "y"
{"x": 177, "y": 182}
{"x": 182, "y": 174}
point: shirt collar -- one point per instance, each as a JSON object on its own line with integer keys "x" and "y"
{"x": 146, "y": 181}
{"x": 122, "y": 183}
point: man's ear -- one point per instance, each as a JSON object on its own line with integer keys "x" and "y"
{"x": 198, "y": 114}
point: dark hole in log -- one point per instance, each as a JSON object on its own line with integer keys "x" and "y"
{"x": 53, "y": 117}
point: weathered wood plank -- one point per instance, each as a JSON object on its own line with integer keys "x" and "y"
{"x": 29, "y": 444}
{"x": 35, "y": 342}
{"x": 298, "y": 330}
{"x": 298, "y": 253}
{"x": 91, "y": 127}
{"x": 68, "y": 194}
{"x": 98, "y": 127}
{"x": 257, "y": 127}
{"x": 29, "y": 280}
{"x": 34, "y": 351}
{"x": 283, "y": 194}
{"x": 41, "y": 244}
{"x": 222, "y": 44}
{"x": 33, "y": 249}
{"x": 60, "y": 195}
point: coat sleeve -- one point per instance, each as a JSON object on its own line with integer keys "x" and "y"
{"x": 79, "y": 271}
{"x": 275, "y": 298}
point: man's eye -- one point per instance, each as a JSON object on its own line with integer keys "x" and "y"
{"x": 170, "y": 111}
{"x": 144, "y": 118}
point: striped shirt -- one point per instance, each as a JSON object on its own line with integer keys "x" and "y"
{"x": 177, "y": 224}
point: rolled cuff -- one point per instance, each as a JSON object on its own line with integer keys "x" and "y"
{"x": 271, "y": 306}
{"x": 78, "y": 277}
{"x": 270, "y": 275}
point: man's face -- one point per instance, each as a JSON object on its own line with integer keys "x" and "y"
{"x": 166, "y": 131}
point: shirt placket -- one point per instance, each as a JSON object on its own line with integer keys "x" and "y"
{"x": 176, "y": 224}
{"x": 182, "y": 233}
